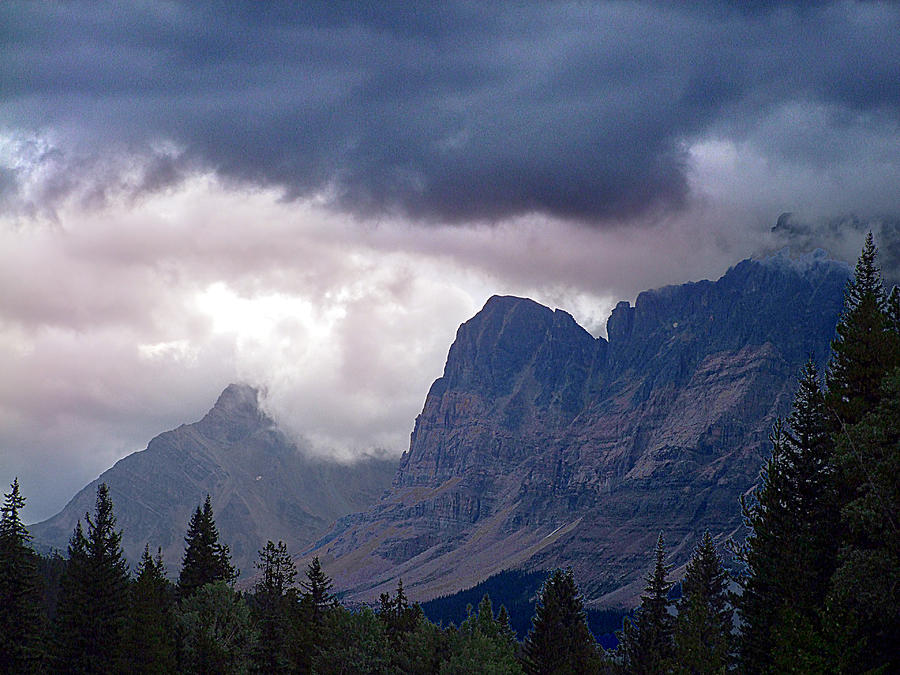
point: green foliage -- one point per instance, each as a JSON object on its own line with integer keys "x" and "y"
{"x": 278, "y": 570}
{"x": 276, "y": 610}
{"x": 703, "y": 625}
{"x": 416, "y": 644}
{"x": 483, "y": 644}
{"x": 317, "y": 590}
{"x": 559, "y": 640}
{"x": 205, "y": 559}
{"x": 20, "y": 592}
{"x": 149, "y": 638}
{"x": 91, "y": 613}
{"x": 794, "y": 530}
{"x": 356, "y": 643}
{"x": 397, "y": 615}
{"x": 216, "y": 630}
{"x": 863, "y": 601}
{"x": 515, "y": 590}
{"x": 646, "y": 643}
{"x": 865, "y": 348}
{"x": 50, "y": 570}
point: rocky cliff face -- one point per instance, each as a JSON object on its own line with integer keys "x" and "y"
{"x": 543, "y": 446}
{"x": 262, "y": 487}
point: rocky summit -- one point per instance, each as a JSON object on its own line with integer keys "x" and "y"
{"x": 262, "y": 487}
{"x": 542, "y": 446}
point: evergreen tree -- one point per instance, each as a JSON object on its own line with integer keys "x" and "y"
{"x": 149, "y": 639}
{"x": 865, "y": 349}
{"x": 762, "y": 584}
{"x": 20, "y": 592}
{"x": 559, "y": 640}
{"x": 646, "y": 643}
{"x": 862, "y": 604}
{"x": 810, "y": 547}
{"x": 317, "y": 590}
{"x": 275, "y": 604}
{"x": 93, "y": 601}
{"x": 205, "y": 559}
{"x": 483, "y": 645}
{"x": 217, "y": 631}
{"x": 790, "y": 552}
{"x": 397, "y": 615}
{"x": 355, "y": 643}
{"x": 703, "y": 625}
{"x": 893, "y": 310}
{"x": 416, "y": 645}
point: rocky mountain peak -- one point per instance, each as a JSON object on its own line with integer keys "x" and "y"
{"x": 236, "y": 415}
{"x": 262, "y": 487}
{"x": 542, "y": 446}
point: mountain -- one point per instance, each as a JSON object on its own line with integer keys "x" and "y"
{"x": 262, "y": 487}
{"x": 542, "y": 446}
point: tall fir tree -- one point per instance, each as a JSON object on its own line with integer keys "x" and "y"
{"x": 93, "y": 601}
{"x": 794, "y": 531}
{"x": 811, "y": 545}
{"x": 559, "y": 640}
{"x": 317, "y": 590}
{"x": 20, "y": 591}
{"x": 205, "y": 560}
{"x": 149, "y": 638}
{"x": 416, "y": 645}
{"x": 865, "y": 349}
{"x": 864, "y": 597}
{"x": 703, "y": 625}
{"x": 275, "y": 607}
{"x": 646, "y": 643}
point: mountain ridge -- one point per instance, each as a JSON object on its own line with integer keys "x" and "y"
{"x": 262, "y": 486}
{"x": 542, "y": 446}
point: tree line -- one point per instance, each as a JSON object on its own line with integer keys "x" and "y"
{"x": 813, "y": 589}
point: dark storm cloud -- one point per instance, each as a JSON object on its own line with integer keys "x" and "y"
{"x": 446, "y": 112}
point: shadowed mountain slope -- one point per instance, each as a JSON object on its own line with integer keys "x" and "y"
{"x": 542, "y": 446}
{"x": 262, "y": 487}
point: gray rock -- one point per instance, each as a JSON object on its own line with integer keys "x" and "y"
{"x": 262, "y": 487}
{"x": 542, "y": 446}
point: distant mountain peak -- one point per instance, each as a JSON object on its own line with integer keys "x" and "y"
{"x": 235, "y": 415}
{"x": 261, "y": 486}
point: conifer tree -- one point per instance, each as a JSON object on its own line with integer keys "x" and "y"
{"x": 790, "y": 552}
{"x": 317, "y": 590}
{"x": 396, "y": 614}
{"x": 810, "y": 546}
{"x": 646, "y": 642}
{"x": 149, "y": 640}
{"x": 91, "y": 612}
{"x": 415, "y": 643}
{"x": 275, "y": 606}
{"x": 205, "y": 560}
{"x": 893, "y": 309}
{"x": 559, "y": 640}
{"x": 20, "y": 595}
{"x": 865, "y": 349}
{"x": 483, "y": 644}
{"x": 863, "y": 600}
{"x": 703, "y": 625}
{"x": 216, "y": 630}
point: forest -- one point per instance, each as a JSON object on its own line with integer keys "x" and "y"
{"x": 810, "y": 586}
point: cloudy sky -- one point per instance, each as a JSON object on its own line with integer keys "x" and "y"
{"x": 312, "y": 199}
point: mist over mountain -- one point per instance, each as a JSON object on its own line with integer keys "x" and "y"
{"x": 262, "y": 487}
{"x": 542, "y": 446}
